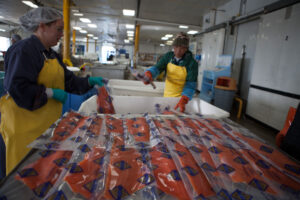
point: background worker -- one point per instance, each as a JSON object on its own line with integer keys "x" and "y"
{"x": 37, "y": 83}
{"x": 181, "y": 72}
{"x": 15, "y": 38}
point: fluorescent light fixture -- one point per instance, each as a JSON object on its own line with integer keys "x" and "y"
{"x": 78, "y": 14}
{"x": 29, "y": 3}
{"x": 130, "y": 32}
{"x": 130, "y": 38}
{"x": 90, "y": 35}
{"x": 95, "y": 38}
{"x": 85, "y": 20}
{"x": 2, "y": 30}
{"x": 169, "y": 42}
{"x": 126, "y": 41}
{"x": 77, "y": 28}
{"x": 192, "y": 32}
{"x": 75, "y": 10}
{"x": 182, "y": 26}
{"x": 128, "y": 12}
{"x": 162, "y": 45}
{"x": 169, "y": 35}
{"x": 129, "y": 26}
{"x": 1, "y": 17}
{"x": 92, "y": 25}
{"x": 164, "y": 38}
{"x": 83, "y": 31}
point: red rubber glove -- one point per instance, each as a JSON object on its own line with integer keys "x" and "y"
{"x": 181, "y": 104}
{"x": 147, "y": 78}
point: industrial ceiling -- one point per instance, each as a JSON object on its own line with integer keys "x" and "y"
{"x": 156, "y": 17}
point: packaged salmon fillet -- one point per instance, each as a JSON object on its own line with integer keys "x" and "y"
{"x": 104, "y": 102}
{"x": 41, "y": 175}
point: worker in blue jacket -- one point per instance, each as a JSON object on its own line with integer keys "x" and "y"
{"x": 181, "y": 72}
{"x": 36, "y": 82}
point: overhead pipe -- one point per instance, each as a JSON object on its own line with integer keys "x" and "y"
{"x": 66, "y": 13}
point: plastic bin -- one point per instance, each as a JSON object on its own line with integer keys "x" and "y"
{"x": 135, "y": 88}
{"x": 139, "y": 104}
{"x": 224, "y": 93}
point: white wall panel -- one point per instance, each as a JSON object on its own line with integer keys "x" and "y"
{"x": 253, "y": 5}
{"x": 269, "y": 108}
{"x": 231, "y": 8}
{"x": 276, "y": 66}
{"x": 247, "y": 35}
{"x": 92, "y": 46}
{"x": 212, "y": 47}
{"x": 277, "y": 59}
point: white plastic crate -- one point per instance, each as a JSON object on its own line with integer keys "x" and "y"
{"x": 139, "y": 104}
{"x": 135, "y": 88}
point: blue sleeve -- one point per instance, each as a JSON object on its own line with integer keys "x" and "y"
{"x": 154, "y": 71}
{"x": 22, "y": 70}
{"x": 189, "y": 89}
{"x": 73, "y": 83}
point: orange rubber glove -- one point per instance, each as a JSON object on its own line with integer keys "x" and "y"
{"x": 181, "y": 104}
{"x": 147, "y": 78}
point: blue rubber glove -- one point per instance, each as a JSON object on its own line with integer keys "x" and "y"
{"x": 96, "y": 81}
{"x": 59, "y": 95}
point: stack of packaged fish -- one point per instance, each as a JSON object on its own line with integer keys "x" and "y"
{"x": 111, "y": 156}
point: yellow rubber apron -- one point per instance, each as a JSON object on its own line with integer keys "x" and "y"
{"x": 176, "y": 77}
{"x": 19, "y": 127}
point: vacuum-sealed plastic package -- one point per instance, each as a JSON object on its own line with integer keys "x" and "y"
{"x": 162, "y": 156}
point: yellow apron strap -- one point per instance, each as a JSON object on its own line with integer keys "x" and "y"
{"x": 176, "y": 77}
{"x": 19, "y": 127}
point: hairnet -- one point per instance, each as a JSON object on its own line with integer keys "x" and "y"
{"x": 181, "y": 40}
{"x": 16, "y": 37}
{"x": 31, "y": 20}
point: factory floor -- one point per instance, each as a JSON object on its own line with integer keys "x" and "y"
{"x": 266, "y": 133}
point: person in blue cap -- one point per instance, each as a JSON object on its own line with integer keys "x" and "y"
{"x": 37, "y": 83}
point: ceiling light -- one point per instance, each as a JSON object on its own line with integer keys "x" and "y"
{"x": 77, "y": 28}
{"x": 75, "y": 10}
{"x": 182, "y": 26}
{"x": 162, "y": 45}
{"x": 126, "y": 41}
{"x": 169, "y": 42}
{"x": 2, "y": 30}
{"x": 192, "y": 32}
{"x": 78, "y": 14}
{"x": 130, "y": 38}
{"x": 95, "y": 38}
{"x": 90, "y": 35}
{"x": 29, "y": 3}
{"x": 129, "y": 26}
{"x": 1, "y": 17}
{"x": 92, "y": 25}
{"x": 164, "y": 38}
{"x": 130, "y": 32}
{"x": 83, "y": 31}
{"x": 128, "y": 12}
{"x": 85, "y": 20}
{"x": 169, "y": 35}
